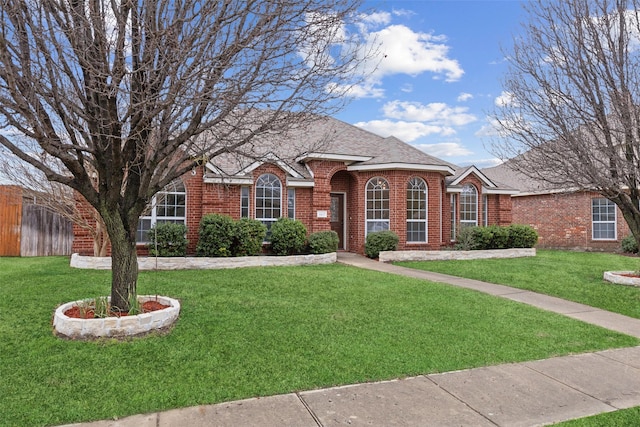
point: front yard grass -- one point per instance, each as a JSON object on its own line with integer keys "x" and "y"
{"x": 255, "y": 332}
{"x": 575, "y": 276}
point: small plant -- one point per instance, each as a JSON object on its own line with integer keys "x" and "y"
{"x": 323, "y": 242}
{"x": 629, "y": 245}
{"x": 379, "y": 241}
{"x": 168, "y": 239}
{"x": 101, "y": 307}
{"x": 135, "y": 307}
{"x": 215, "y": 235}
{"x": 288, "y": 236}
{"x": 84, "y": 308}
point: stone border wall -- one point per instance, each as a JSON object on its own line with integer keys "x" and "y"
{"x": 391, "y": 256}
{"x": 116, "y": 326}
{"x": 204, "y": 263}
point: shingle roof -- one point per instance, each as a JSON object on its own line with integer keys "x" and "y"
{"x": 331, "y": 138}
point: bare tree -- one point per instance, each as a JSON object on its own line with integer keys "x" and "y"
{"x": 55, "y": 197}
{"x": 121, "y": 92}
{"x": 571, "y": 115}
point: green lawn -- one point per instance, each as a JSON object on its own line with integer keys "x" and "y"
{"x": 255, "y": 332}
{"x": 575, "y": 276}
{"x": 623, "y": 418}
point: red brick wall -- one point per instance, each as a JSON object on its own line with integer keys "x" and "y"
{"x": 333, "y": 177}
{"x": 564, "y": 220}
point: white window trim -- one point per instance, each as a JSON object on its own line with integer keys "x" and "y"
{"x": 366, "y": 199}
{"x": 466, "y": 222}
{"x": 614, "y": 222}
{"x": 255, "y": 198}
{"x": 426, "y": 214}
{"x": 154, "y": 210}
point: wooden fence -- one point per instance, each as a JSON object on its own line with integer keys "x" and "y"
{"x": 31, "y": 230}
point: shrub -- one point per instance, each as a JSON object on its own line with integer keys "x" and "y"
{"x": 466, "y": 239}
{"x": 491, "y": 237}
{"x": 522, "y": 236}
{"x": 288, "y": 236}
{"x": 323, "y": 242}
{"x": 379, "y": 241}
{"x": 168, "y": 239}
{"x": 215, "y": 235}
{"x": 248, "y": 237}
{"x": 629, "y": 245}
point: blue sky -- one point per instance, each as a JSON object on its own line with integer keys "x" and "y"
{"x": 442, "y": 74}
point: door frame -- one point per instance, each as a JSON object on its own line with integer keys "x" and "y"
{"x": 342, "y": 194}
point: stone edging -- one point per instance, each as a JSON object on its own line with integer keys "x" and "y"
{"x": 391, "y": 256}
{"x": 617, "y": 278}
{"x": 116, "y": 326}
{"x": 200, "y": 263}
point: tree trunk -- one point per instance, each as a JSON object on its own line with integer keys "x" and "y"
{"x": 633, "y": 221}
{"x": 124, "y": 263}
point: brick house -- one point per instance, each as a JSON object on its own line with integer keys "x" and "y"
{"x": 563, "y": 218}
{"x": 334, "y": 176}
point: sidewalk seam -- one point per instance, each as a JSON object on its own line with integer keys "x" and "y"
{"x": 615, "y": 408}
{"x": 461, "y": 401}
{"x": 309, "y": 410}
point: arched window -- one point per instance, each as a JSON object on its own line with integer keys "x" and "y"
{"x": 167, "y": 205}
{"x": 268, "y": 200}
{"x": 416, "y": 210}
{"x": 377, "y": 205}
{"x": 468, "y": 206}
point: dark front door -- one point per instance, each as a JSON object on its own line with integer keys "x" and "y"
{"x": 337, "y": 217}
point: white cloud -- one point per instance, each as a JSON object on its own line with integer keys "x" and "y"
{"x": 483, "y": 163}
{"x": 405, "y": 131}
{"x": 407, "y": 88}
{"x": 435, "y": 113}
{"x": 463, "y": 97}
{"x": 504, "y": 99}
{"x": 376, "y": 18}
{"x": 413, "y": 53}
{"x": 357, "y": 91}
{"x": 445, "y": 149}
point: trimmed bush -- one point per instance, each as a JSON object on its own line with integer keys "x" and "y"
{"x": 169, "y": 239}
{"x": 248, "y": 237}
{"x": 288, "y": 236}
{"x": 522, "y": 236}
{"x": 215, "y": 235}
{"x": 379, "y": 241}
{"x": 496, "y": 237}
{"x": 491, "y": 237}
{"x": 629, "y": 245}
{"x": 323, "y": 242}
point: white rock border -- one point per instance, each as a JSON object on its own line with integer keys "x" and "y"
{"x": 618, "y": 278}
{"x": 202, "y": 263}
{"x": 116, "y": 327}
{"x": 391, "y": 256}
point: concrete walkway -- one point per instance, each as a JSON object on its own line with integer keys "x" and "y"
{"x": 520, "y": 394}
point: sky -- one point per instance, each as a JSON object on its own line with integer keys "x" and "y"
{"x": 441, "y": 77}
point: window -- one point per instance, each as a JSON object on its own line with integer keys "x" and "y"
{"x": 377, "y": 205}
{"x": 454, "y": 200}
{"x": 603, "y": 219}
{"x": 291, "y": 203}
{"x": 468, "y": 206}
{"x": 485, "y": 210}
{"x": 268, "y": 200}
{"x": 244, "y": 202}
{"x": 416, "y": 210}
{"x": 168, "y": 205}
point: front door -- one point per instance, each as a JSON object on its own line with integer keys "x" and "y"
{"x": 337, "y": 217}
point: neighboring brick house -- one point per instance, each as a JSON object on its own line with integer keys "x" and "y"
{"x": 335, "y": 176}
{"x": 563, "y": 218}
